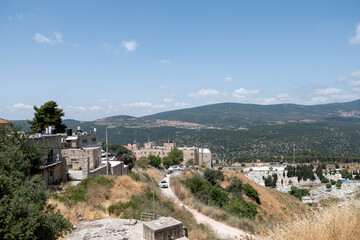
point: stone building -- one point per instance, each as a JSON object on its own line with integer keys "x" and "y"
{"x": 162, "y": 151}
{"x": 81, "y": 146}
{"x": 53, "y": 168}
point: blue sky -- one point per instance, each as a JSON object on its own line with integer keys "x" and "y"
{"x": 105, "y": 58}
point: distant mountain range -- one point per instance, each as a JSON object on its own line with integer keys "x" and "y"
{"x": 232, "y": 129}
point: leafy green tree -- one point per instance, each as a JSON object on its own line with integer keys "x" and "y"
{"x": 213, "y": 175}
{"x": 166, "y": 162}
{"x": 328, "y": 186}
{"x": 24, "y": 213}
{"x": 176, "y": 156}
{"x": 190, "y": 162}
{"x": 338, "y": 185}
{"x": 142, "y": 162}
{"x": 47, "y": 115}
{"x": 154, "y": 161}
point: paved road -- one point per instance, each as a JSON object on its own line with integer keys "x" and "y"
{"x": 222, "y": 230}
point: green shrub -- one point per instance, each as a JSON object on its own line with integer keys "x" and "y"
{"x": 213, "y": 175}
{"x": 251, "y": 193}
{"x": 298, "y": 192}
{"x": 338, "y": 185}
{"x": 135, "y": 176}
{"x": 235, "y": 187}
{"x": 333, "y": 182}
{"x": 241, "y": 208}
{"x": 218, "y": 196}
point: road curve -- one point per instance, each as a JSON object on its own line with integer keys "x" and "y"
{"x": 222, "y": 230}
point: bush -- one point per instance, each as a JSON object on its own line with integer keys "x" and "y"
{"x": 213, "y": 175}
{"x": 324, "y": 180}
{"x": 251, "y": 193}
{"x": 218, "y": 196}
{"x": 333, "y": 182}
{"x": 235, "y": 187}
{"x": 338, "y": 185}
{"x": 328, "y": 186}
{"x": 298, "y": 192}
{"x": 241, "y": 208}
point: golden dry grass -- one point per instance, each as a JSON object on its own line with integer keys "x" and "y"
{"x": 329, "y": 224}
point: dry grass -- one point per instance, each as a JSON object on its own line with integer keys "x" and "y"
{"x": 330, "y": 224}
{"x": 276, "y": 207}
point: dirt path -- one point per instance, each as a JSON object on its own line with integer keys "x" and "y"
{"x": 222, "y": 230}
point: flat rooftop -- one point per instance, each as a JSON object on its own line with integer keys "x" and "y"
{"x": 162, "y": 223}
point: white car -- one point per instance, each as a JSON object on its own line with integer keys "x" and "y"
{"x": 163, "y": 184}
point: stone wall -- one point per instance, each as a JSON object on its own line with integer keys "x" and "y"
{"x": 98, "y": 171}
{"x": 73, "y": 157}
{"x": 55, "y": 173}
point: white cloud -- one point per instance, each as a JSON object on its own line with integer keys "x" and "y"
{"x": 203, "y": 93}
{"x": 162, "y": 86}
{"x": 42, "y": 39}
{"x": 130, "y": 45}
{"x": 76, "y": 108}
{"x": 165, "y": 61}
{"x": 356, "y": 89}
{"x": 20, "y": 16}
{"x": 139, "y": 104}
{"x": 158, "y": 106}
{"x": 316, "y": 100}
{"x": 283, "y": 95}
{"x": 327, "y": 91}
{"x": 229, "y": 79}
{"x": 94, "y": 108}
{"x": 355, "y": 83}
{"x": 243, "y": 93}
{"x": 167, "y": 100}
{"x": 58, "y": 37}
{"x": 356, "y": 39}
{"x": 355, "y": 74}
{"x": 266, "y": 101}
{"x": 341, "y": 79}
{"x": 102, "y": 100}
{"x": 21, "y": 106}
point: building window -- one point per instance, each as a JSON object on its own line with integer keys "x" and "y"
{"x": 93, "y": 139}
{"x": 192, "y": 154}
{"x": 84, "y": 141}
{"x": 51, "y": 172}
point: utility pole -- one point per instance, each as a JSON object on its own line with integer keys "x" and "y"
{"x": 107, "y": 155}
{"x": 153, "y": 200}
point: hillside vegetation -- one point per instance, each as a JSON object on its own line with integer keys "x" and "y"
{"x": 123, "y": 197}
{"x": 250, "y": 207}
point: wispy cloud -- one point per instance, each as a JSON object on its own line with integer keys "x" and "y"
{"x": 203, "y": 93}
{"x": 161, "y": 86}
{"x": 165, "y": 61}
{"x": 58, "y": 37}
{"x": 129, "y": 45}
{"x": 356, "y": 39}
{"x": 42, "y": 39}
{"x": 327, "y": 91}
{"x": 168, "y": 100}
{"x": 21, "y": 106}
{"x": 229, "y": 79}
{"x": 102, "y": 100}
{"x": 355, "y": 83}
{"x": 94, "y": 108}
{"x": 243, "y": 93}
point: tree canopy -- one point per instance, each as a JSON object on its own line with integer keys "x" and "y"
{"x": 24, "y": 213}
{"x": 47, "y": 115}
{"x": 176, "y": 156}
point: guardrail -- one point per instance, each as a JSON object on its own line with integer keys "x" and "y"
{"x": 146, "y": 216}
